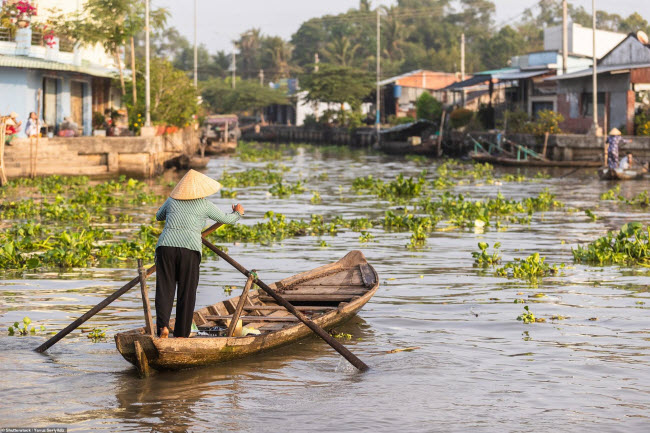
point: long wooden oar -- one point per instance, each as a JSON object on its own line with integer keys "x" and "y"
{"x": 99, "y": 307}
{"x": 359, "y": 364}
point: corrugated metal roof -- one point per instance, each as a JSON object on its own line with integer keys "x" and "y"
{"x": 397, "y": 77}
{"x": 24, "y": 62}
{"x": 476, "y": 79}
{"x": 600, "y": 70}
{"x": 518, "y": 75}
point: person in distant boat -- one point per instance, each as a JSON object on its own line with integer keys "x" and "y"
{"x": 614, "y": 140}
{"x": 178, "y": 251}
{"x": 626, "y": 162}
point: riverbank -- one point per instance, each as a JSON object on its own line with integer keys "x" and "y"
{"x": 560, "y": 147}
{"x": 99, "y": 156}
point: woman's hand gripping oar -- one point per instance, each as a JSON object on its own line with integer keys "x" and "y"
{"x": 99, "y": 307}
{"x": 281, "y": 301}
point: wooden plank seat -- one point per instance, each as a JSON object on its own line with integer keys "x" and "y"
{"x": 281, "y": 308}
{"x": 311, "y": 297}
{"x": 256, "y": 318}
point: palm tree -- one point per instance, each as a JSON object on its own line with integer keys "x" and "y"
{"x": 393, "y": 35}
{"x": 249, "y": 52}
{"x": 279, "y": 51}
{"x": 341, "y": 51}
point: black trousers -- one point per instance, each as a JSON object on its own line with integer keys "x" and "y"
{"x": 180, "y": 266}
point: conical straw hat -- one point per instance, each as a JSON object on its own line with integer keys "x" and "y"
{"x": 614, "y": 131}
{"x": 195, "y": 185}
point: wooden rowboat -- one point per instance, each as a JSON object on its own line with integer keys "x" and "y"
{"x": 609, "y": 174}
{"x": 328, "y": 295}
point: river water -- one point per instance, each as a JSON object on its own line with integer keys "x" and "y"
{"x": 475, "y": 367}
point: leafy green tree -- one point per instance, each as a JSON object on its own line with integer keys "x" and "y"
{"x": 338, "y": 85}
{"x": 247, "y": 96}
{"x": 497, "y": 50}
{"x": 427, "y": 107}
{"x": 173, "y": 95}
{"x": 110, "y": 23}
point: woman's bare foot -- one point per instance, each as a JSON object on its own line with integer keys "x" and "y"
{"x": 164, "y": 333}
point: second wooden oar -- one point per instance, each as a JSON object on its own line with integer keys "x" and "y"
{"x": 359, "y": 364}
{"x": 99, "y": 307}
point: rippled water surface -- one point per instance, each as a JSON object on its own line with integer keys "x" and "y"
{"x": 475, "y": 367}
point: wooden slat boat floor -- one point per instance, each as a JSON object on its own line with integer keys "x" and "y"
{"x": 281, "y": 308}
{"x": 310, "y": 297}
{"x": 257, "y": 318}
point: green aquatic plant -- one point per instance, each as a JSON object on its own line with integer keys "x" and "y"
{"x": 250, "y": 152}
{"x": 97, "y": 334}
{"x": 366, "y": 237}
{"x": 250, "y": 177}
{"x": 284, "y": 190}
{"x": 612, "y": 194}
{"x": 227, "y": 193}
{"x": 531, "y": 268}
{"x": 315, "y": 197}
{"x": 527, "y": 316}
{"x": 23, "y": 328}
{"x": 483, "y": 258}
{"x": 400, "y": 188}
{"x": 418, "y": 237}
{"x": 591, "y": 215}
{"x": 629, "y": 246}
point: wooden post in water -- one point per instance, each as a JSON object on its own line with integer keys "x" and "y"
{"x": 240, "y": 305}
{"x": 3, "y": 175}
{"x": 442, "y": 124}
{"x": 142, "y": 275}
{"x": 545, "y": 144}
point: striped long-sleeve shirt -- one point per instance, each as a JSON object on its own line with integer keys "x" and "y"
{"x": 185, "y": 220}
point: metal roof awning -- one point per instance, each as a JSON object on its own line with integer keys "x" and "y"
{"x": 398, "y": 77}
{"x": 520, "y": 75}
{"x": 24, "y": 62}
{"x": 475, "y": 80}
{"x": 599, "y": 70}
{"x": 410, "y": 128}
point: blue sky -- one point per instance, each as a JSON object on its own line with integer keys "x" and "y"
{"x": 222, "y": 21}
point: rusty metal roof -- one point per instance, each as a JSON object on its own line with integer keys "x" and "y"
{"x": 24, "y": 62}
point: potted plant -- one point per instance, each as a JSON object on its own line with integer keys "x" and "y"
{"x": 99, "y": 120}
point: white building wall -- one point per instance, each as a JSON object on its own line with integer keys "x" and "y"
{"x": 581, "y": 40}
{"x": 86, "y": 54}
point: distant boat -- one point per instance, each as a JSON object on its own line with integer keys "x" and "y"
{"x": 409, "y": 138}
{"x": 220, "y": 133}
{"x": 609, "y": 174}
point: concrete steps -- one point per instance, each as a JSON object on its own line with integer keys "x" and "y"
{"x": 52, "y": 158}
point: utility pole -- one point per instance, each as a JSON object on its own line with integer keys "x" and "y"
{"x": 462, "y": 65}
{"x": 594, "y": 87}
{"x": 196, "y": 61}
{"x": 261, "y": 77}
{"x": 565, "y": 37}
{"x": 378, "y": 93}
{"x": 234, "y": 67}
{"x": 147, "y": 71}
{"x": 316, "y": 62}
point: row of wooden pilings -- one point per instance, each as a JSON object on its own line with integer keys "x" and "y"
{"x": 359, "y": 137}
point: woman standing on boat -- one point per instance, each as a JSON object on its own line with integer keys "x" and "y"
{"x": 614, "y": 141}
{"x": 178, "y": 251}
